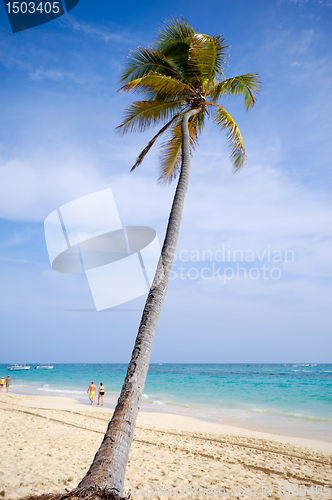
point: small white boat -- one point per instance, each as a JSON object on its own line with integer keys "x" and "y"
{"x": 18, "y": 367}
{"x": 44, "y": 367}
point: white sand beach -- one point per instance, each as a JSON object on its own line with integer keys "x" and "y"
{"x": 48, "y": 443}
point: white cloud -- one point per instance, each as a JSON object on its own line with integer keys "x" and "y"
{"x": 41, "y": 73}
{"x": 260, "y": 207}
{"x": 31, "y": 189}
{"x": 60, "y": 75}
{"x": 17, "y": 238}
{"x": 95, "y": 30}
{"x": 33, "y": 185}
{"x": 298, "y": 2}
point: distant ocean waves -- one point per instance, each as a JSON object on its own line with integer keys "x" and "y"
{"x": 60, "y": 391}
{"x": 175, "y": 408}
{"x": 234, "y": 413}
{"x": 299, "y": 416}
{"x": 293, "y": 399}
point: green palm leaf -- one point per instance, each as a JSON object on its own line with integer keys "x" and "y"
{"x": 248, "y": 85}
{"x": 174, "y": 41}
{"x": 170, "y": 157}
{"x": 147, "y": 148}
{"x": 207, "y": 58}
{"x": 183, "y": 71}
{"x": 173, "y": 32}
{"x": 163, "y": 86}
{"x": 144, "y": 61}
{"x": 140, "y": 115}
{"x": 238, "y": 152}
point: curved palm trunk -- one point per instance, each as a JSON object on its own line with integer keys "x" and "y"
{"x": 108, "y": 468}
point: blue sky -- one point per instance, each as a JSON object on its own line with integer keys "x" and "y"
{"x": 59, "y": 109}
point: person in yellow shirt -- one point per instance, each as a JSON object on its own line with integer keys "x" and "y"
{"x": 2, "y": 383}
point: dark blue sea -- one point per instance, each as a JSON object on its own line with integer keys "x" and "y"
{"x": 291, "y": 399}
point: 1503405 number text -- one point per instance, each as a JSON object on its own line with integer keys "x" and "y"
{"x": 32, "y": 7}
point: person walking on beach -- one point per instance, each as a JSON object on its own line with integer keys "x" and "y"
{"x": 101, "y": 394}
{"x": 92, "y": 389}
{"x": 2, "y": 383}
{"x": 8, "y": 382}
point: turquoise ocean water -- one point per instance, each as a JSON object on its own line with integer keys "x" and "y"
{"x": 292, "y": 399}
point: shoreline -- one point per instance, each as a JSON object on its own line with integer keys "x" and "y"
{"x": 169, "y": 421}
{"x": 48, "y": 443}
{"x": 268, "y": 422}
{"x": 284, "y": 399}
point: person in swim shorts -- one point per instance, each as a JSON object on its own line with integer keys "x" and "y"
{"x": 2, "y": 383}
{"x": 92, "y": 390}
{"x": 101, "y": 394}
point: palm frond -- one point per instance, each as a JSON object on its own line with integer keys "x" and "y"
{"x": 163, "y": 86}
{"x": 248, "y": 85}
{"x": 140, "y": 115}
{"x": 147, "y": 148}
{"x": 174, "y": 41}
{"x": 238, "y": 152}
{"x": 195, "y": 126}
{"x": 170, "y": 158}
{"x": 182, "y": 71}
{"x": 144, "y": 61}
{"x": 200, "y": 121}
{"x": 207, "y": 58}
{"x": 174, "y": 31}
{"x": 198, "y": 57}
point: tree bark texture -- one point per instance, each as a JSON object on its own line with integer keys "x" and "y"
{"x": 109, "y": 465}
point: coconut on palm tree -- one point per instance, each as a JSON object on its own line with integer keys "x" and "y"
{"x": 182, "y": 81}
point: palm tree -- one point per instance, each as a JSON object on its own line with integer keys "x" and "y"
{"x": 181, "y": 79}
